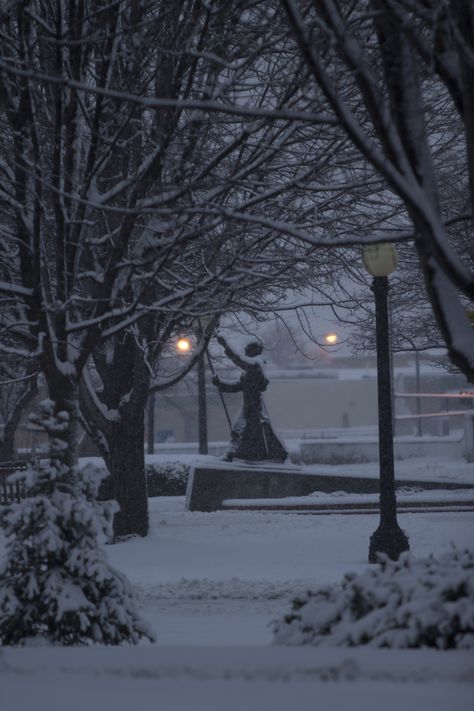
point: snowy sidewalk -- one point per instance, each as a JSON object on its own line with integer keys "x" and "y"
{"x": 235, "y": 679}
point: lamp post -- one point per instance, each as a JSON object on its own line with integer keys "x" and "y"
{"x": 380, "y": 260}
{"x": 202, "y": 400}
{"x": 184, "y": 345}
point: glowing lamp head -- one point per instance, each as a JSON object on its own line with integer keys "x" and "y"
{"x": 183, "y": 345}
{"x": 331, "y": 338}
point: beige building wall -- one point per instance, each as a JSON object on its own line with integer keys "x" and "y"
{"x": 293, "y": 404}
{"x": 320, "y": 402}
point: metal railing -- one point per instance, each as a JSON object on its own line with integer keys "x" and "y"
{"x": 11, "y": 491}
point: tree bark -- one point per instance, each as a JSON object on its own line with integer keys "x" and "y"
{"x": 125, "y": 461}
{"x": 115, "y": 420}
{"x": 7, "y": 443}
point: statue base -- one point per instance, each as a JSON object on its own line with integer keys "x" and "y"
{"x": 209, "y": 486}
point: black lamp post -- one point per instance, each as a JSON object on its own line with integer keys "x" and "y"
{"x": 184, "y": 345}
{"x": 202, "y": 399}
{"x": 380, "y": 260}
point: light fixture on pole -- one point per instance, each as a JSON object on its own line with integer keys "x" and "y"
{"x": 331, "y": 339}
{"x": 183, "y": 344}
{"x": 380, "y": 260}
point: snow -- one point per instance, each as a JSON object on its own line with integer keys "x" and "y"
{"x": 236, "y": 679}
{"x": 436, "y": 469}
{"x": 403, "y": 604}
{"x": 439, "y": 469}
{"x": 342, "y": 497}
{"x": 210, "y": 584}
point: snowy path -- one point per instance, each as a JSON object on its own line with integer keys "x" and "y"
{"x": 235, "y": 679}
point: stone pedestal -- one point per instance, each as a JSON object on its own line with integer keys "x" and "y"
{"x": 208, "y": 486}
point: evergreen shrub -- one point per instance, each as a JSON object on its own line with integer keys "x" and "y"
{"x": 404, "y": 604}
{"x": 163, "y": 478}
{"x": 167, "y": 478}
{"x": 56, "y": 586}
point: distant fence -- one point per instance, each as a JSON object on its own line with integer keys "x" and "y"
{"x": 466, "y": 397}
{"x": 10, "y": 492}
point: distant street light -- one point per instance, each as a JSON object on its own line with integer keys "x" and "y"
{"x": 183, "y": 344}
{"x": 380, "y": 260}
{"x": 331, "y": 338}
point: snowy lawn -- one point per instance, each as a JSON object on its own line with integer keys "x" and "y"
{"x": 416, "y": 468}
{"x": 210, "y": 584}
{"x": 220, "y": 578}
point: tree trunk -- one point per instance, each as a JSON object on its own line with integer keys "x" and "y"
{"x": 7, "y": 444}
{"x": 64, "y": 392}
{"x": 117, "y": 426}
{"x": 126, "y": 464}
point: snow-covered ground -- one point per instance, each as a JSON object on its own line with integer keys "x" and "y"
{"x": 210, "y": 584}
{"x": 235, "y": 679}
{"x": 220, "y": 578}
{"x": 434, "y": 468}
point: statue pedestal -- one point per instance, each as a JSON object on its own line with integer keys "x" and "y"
{"x": 209, "y": 486}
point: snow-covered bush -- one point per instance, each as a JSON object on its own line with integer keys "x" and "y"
{"x": 56, "y": 586}
{"x": 403, "y": 604}
{"x": 167, "y": 478}
{"x": 163, "y": 478}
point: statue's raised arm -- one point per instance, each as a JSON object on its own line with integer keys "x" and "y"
{"x": 231, "y": 354}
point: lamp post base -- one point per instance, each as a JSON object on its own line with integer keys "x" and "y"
{"x": 388, "y": 539}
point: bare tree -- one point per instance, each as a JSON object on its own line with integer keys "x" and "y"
{"x": 18, "y": 386}
{"x": 197, "y": 255}
{"x": 387, "y": 70}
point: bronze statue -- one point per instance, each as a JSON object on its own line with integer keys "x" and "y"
{"x": 252, "y": 436}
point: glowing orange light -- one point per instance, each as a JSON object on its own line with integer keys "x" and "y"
{"x": 331, "y": 338}
{"x": 183, "y": 345}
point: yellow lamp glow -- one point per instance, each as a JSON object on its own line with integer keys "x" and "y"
{"x": 331, "y": 338}
{"x": 183, "y": 345}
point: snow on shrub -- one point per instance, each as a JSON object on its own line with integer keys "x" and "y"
{"x": 56, "y": 586}
{"x": 163, "y": 478}
{"x": 400, "y": 604}
{"x": 167, "y": 478}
